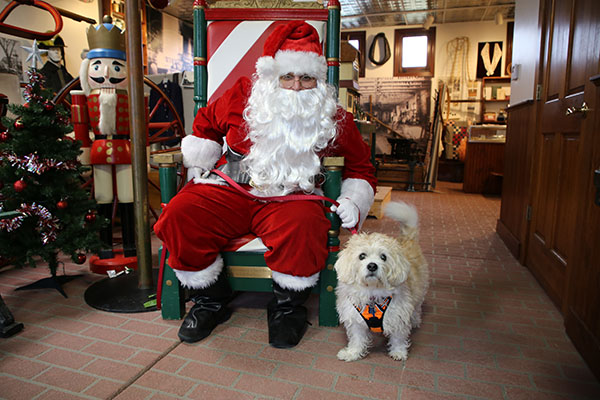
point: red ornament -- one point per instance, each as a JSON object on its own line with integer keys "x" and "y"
{"x": 4, "y": 136}
{"x": 80, "y": 258}
{"x": 48, "y": 105}
{"x": 90, "y": 217}
{"x": 19, "y": 125}
{"x": 19, "y": 185}
{"x": 62, "y": 204}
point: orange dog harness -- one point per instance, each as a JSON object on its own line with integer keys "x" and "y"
{"x": 373, "y": 314}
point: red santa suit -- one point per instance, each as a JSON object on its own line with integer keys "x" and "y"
{"x": 204, "y": 217}
{"x": 207, "y": 214}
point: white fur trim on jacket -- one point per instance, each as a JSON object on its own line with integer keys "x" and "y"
{"x": 201, "y": 279}
{"x": 360, "y": 192}
{"x": 296, "y": 283}
{"x": 199, "y": 152}
{"x": 296, "y": 62}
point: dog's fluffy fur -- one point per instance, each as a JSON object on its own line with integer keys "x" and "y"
{"x": 397, "y": 269}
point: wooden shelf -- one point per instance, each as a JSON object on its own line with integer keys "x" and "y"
{"x": 497, "y": 82}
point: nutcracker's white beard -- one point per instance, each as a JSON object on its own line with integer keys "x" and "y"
{"x": 108, "y": 112}
{"x": 287, "y": 129}
{"x": 107, "y": 101}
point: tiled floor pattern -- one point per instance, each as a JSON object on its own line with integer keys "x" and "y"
{"x": 489, "y": 332}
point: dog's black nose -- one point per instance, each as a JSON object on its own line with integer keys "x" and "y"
{"x": 372, "y": 267}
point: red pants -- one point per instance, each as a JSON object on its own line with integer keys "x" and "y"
{"x": 202, "y": 218}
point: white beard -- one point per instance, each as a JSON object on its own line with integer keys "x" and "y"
{"x": 107, "y": 101}
{"x": 108, "y": 113}
{"x": 287, "y": 129}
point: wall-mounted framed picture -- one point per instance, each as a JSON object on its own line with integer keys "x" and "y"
{"x": 489, "y": 59}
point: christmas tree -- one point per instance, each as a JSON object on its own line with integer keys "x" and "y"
{"x": 44, "y": 208}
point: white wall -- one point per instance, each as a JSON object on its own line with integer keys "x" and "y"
{"x": 73, "y": 33}
{"x": 475, "y": 31}
{"x": 526, "y": 50}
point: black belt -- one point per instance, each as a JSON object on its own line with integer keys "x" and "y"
{"x": 104, "y": 137}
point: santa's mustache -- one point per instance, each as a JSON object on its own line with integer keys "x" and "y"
{"x": 100, "y": 79}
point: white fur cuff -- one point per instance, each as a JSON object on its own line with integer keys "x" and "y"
{"x": 200, "y": 152}
{"x": 360, "y": 192}
{"x": 201, "y": 279}
{"x": 296, "y": 283}
{"x": 295, "y": 62}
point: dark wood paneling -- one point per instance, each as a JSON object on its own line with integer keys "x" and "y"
{"x": 482, "y": 164}
{"x": 582, "y": 320}
{"x": 516, "y": 190}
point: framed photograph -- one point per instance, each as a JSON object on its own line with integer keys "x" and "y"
{"x": 489, "y": 59}
{"x": 12, "y": 56}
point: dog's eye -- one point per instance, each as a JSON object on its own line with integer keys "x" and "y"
{"x": 383, "y": 257}
{"x": 362, "y": 256}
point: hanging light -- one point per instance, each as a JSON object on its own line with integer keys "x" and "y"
{"x": 428, "y": 22}
{"x": 499, "y": 18}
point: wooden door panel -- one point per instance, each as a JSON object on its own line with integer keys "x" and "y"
{"x": 558, "y": 149}
{"x": 582, "y": 48}
{"x": 563, "y": 248}
{"x": 567, "y": 195}
{"x": 559, "y": 49}
{"x": 547, "y": 187}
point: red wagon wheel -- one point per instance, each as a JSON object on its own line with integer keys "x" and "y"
{"x": 162, "y": 133}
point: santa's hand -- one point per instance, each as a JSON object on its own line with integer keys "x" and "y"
{"x": 197, "y": 173}
{"x": 348, "y": 212}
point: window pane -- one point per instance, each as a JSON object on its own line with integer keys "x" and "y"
{"x": 414, "y": 51}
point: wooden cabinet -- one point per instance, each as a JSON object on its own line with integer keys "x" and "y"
{"x": 495, "y": 95}
{"x": 483, "y": 167}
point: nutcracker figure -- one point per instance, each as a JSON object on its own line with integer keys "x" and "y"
{"x": 100, "y": 117}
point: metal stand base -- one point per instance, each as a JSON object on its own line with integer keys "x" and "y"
{"x": 121, "y": 294}
{"x": 52, "y": 282}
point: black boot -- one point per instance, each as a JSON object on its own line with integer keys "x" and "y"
{"x": 287, "y": 317}
{"x": 210, "y": 309}
{"x": 106, "y": 237}
{"x": 127, "y": 229}
{"x": 8, "y": 326}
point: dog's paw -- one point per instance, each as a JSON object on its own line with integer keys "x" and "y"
{"x": 399, "y": 354}
{"x": 350, "y": 354}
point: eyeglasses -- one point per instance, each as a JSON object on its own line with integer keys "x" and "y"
{"x": 288, "y": 81}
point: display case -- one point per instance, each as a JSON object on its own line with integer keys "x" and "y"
{"x": 489, "y": 133}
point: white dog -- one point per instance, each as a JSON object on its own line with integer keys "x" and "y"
{"x": 382, "y": 282}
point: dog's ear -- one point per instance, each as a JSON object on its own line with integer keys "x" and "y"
{"x": 345, "y": 265}
{"x": 399, "y": 267}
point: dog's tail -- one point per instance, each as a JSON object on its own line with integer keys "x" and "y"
{"x": 404, "y": 213}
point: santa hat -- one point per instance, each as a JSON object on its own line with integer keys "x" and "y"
{"x": 294, "y": 47}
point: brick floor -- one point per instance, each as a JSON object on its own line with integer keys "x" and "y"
{"x": 489, "y": 332}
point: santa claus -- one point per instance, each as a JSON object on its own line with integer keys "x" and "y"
{"x": 277, "y": 128}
